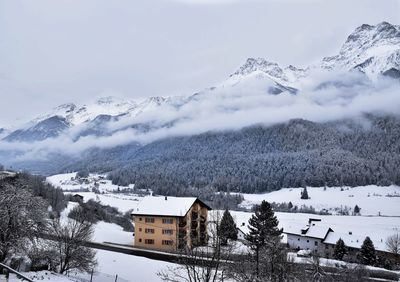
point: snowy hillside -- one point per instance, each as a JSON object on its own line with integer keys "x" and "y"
{"x": 70, "y": 182}
{"x": 372, "y": 200}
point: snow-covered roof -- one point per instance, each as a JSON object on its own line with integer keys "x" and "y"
{"x": 312, "y": 230}
{"x": 353, "y": 240}
{"x": 165, "y": 206}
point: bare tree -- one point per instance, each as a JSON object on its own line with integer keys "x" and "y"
{"x": 393, "y": 244}
{"x": 21, "y": 216}
{"x": 202, "y": 264}
{"x": 274, "y": 265}
{"x": 69, "y": 240}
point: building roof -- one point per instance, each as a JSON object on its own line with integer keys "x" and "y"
{"x": 312, "y": 231}
{"x": 166, "y": 206}
{"x": 353, "y": 240}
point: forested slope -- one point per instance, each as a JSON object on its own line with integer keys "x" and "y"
{"x": 258, "y": 159}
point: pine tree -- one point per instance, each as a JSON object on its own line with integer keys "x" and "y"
{"x": 263, "y": 226}
{"x": 367, "y": 254}
{"x": 356, "y": 210}
{"x": 304, "y": 194}
{"x": 340, "y": 250}
{"x": 227, "y": 229}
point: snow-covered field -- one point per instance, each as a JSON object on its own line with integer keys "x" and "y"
{"x": 372, "y": 199}
{"x": 69, "y": 181}
{"x": 123, "y": 202}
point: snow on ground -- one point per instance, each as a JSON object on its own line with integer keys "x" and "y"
{"x": 334, "y": 263}
{"x": 131, "y": 268}
{"x": 104, "y": 231}
{"x": 113, "y": 233}
{"x": 42, "y": 276}
{"x": 122, "y": 202}
{"x": 70, "y": 182}
{"x": 127, "y": 267}
{"x": 377, "y": 228}
{"x": 372, "y": 199}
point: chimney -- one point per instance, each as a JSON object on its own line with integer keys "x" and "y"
{"x": 166, "y": 198}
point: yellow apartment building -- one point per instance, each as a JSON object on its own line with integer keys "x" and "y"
{"x": 170, "y": 223}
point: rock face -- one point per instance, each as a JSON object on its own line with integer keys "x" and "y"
{"x": 373, "y": 50}
{"x": 289, "y": 74}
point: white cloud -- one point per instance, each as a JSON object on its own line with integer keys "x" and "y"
{"x": 232, "y": 108}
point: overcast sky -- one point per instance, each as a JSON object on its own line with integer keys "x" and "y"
{"x": 58, "y": 51}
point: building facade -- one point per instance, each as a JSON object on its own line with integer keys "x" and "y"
{"x": 170, "y": 223}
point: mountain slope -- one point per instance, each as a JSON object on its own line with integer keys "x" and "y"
{"x": 48, "y": 128}
{"x": 258, "y": 159}
{"x": 373, "y": 50}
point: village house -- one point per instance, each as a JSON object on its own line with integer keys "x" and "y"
{"x": 311, "y": 237}
{"x": 321, "y": 239}
{"x": 170, "y": 223}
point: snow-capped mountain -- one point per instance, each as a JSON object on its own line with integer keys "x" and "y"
{"x": 373, "y": 50}
{"x": 75, "y": 115}
{"x": 48, "y": 128}
{"x": 289, "y": 75}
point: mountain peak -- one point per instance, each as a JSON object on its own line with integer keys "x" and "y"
{"x": 65, "y": 107}
{"x": 374, "y": 33}
{"x": 371, "y": 49}
{"x": 258, "y": 64}
{"x": 271, "y": 69}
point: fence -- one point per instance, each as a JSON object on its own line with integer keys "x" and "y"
{"x": 9, "y": 269}
{"x": 95, "y": 276}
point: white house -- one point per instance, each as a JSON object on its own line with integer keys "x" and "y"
{"x": 311, "y": 237}
{"x": 321, "y": 239}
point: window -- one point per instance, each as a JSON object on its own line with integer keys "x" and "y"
{"x": 140, "y": 229}
{"x": 140, "y": 219}
{"x": 140, "y": 240}
{"x": 149, "y": 241}
{"x": 168, "y": 231}
{"x": 149, "y": 230}
{"x": 308, "y": 241}
{"x": 167, "y": 242}
{"x": 168, "y": 221}
{"x": 315, "y": 243}
{"x": 298, "y": 239}
{"x": 149, "y": 219}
